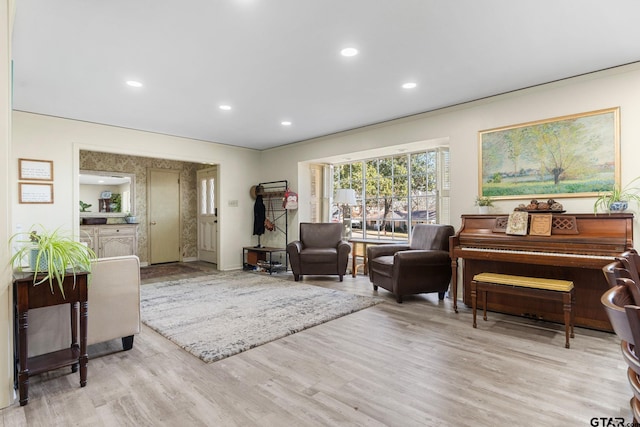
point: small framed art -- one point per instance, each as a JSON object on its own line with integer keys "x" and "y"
{"x": 518, "y": 223}
{"x": 541, "y": 225}
{"x": 35, "y": 193}
{"x": 35, "y": 170}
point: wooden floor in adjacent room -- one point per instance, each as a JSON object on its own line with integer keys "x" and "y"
{"x": 411, "y": 364}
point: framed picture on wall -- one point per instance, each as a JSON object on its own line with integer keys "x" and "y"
{"x": 569, "y": 156}
{"x": 35, "y": 193}
{"x": 36, "y": 170}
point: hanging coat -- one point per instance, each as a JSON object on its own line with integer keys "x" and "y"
{"x": 259, "y": 215}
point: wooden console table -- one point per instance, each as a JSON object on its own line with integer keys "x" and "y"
{"x": 27, "y": 296}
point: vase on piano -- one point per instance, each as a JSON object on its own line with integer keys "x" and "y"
{"x": 484, "y": 210}
{"x": 618, "y": 206}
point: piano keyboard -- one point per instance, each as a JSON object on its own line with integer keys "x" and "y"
{"x": 556, "y": 254}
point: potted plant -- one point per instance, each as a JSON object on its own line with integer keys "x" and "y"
{"x": 51, "y": 255}
{"x": 483, "y": 203}
{"x": 130, "y": 219}
{"x": 84, "y": 206}
{"x": 617, "y": 199}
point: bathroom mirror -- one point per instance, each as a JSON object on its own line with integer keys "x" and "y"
{"x": 107, "y": 194}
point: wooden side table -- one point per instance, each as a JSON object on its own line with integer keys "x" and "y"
{"x": 27, "y": 296}
{"x": 358, "y": 244}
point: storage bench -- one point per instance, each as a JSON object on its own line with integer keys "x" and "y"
{"x": 533, "y": 287}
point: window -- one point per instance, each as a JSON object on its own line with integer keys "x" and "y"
{"x": 395, "y": 193}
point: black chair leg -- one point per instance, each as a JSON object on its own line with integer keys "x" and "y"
{"x": 127, "y": 342}
{"x": 440, "y": 296}
{"x": 375, "y": 287}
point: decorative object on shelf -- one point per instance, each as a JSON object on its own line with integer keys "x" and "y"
{"x": 484, "y": 203}
{"x": 105, "y": 195}
{"x": 84, "y": 206}
{"x": 130, "y": 219}
{"x": 51, "y": 255}
{"x": 93, "y": 221}
{"x": 536, "y": 206}
{"x": 617, "y": 199}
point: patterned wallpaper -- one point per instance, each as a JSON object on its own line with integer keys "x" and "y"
{"x": 92, "y": 160}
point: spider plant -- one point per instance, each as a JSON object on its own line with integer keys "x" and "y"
{"x": 51, "y": 255}
{"x": 606, "y": 199}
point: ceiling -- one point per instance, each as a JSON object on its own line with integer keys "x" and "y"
{"x": 279, "y": 60}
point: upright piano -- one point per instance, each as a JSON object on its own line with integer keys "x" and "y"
{"x": 579, "y": 246}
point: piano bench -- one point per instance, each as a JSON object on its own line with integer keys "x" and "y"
{"x": 532, "y": 287}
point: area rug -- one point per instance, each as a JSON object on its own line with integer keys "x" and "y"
{"x": 160, "y": 270}
{"x": 225, "y": 313}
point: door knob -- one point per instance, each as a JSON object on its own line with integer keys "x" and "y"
{"x": 153, "y": 223}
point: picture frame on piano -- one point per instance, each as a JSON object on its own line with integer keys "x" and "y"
{"x": 518, "y": 223}
{"x": 541, "y": 225}
{"x": 551, "y": 157}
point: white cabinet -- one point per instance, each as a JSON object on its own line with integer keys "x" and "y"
{"x": 111, "y": 240}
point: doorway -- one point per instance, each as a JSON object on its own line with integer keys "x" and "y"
{"x": 164, "y": 215}
{"x": 208, "y": 215}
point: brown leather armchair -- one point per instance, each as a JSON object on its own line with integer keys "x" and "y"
{"x": 423, "y": 266}
{"x": 320, "y": 250}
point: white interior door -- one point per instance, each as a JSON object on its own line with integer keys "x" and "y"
{"x": 207, "y": 215}
{"x": 164, "y": 215}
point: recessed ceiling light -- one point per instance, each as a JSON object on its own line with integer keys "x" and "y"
{"x": 134, "y": 83}
{"x": 349, "y": 51}
{"x": 409, "y": 85}
{"x": 285, "y": 123}
{"x": 225, "y": 107}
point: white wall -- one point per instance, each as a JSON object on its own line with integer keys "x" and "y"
{"x": 49, "y": 138}
{"x": 6, "y": 308}
{"x": 611, "y": 88}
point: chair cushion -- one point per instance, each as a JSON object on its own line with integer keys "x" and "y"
{"x": 320, "y": 235}
{"x": 525, "y": 282}
{"x": 318, "y": 255}
{"x": 382, "y": 265}
{"x": 431, "y": 236}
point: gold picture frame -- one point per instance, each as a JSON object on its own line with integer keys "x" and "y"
{"x": 569, "y": 156}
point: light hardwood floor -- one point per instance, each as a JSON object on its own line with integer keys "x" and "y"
{"x": 411, "y": 364}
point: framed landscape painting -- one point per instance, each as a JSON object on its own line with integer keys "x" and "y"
{"x": 569, "y": 156}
